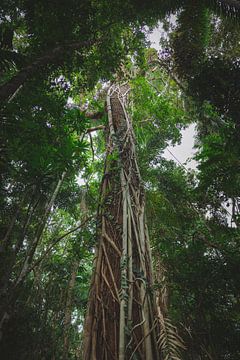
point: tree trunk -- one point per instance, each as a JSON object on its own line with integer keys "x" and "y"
{"x": 39, "y": 232}
{"x": 121, "y": 321}
{"x": 10, "y": 293}
{"x": 68, "y": 310}
{"x": 6, "y": 241}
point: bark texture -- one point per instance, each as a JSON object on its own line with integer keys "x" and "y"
{"x": 121, "y": 321}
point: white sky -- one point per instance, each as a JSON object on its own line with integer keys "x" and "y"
{"x": 184, "y": 152}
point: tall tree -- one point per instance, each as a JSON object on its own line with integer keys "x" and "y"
{"x": 121, "y": 321}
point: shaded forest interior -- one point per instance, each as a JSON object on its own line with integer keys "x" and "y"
{"x": 109, "y": 250}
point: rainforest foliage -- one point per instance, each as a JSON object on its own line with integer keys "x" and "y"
{"x": 58, "y": 60}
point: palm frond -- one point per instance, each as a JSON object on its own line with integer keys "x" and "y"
{"x": 229, "y": 8}
{"x": 169, "y": 342}
{"x": 10, "y": 59}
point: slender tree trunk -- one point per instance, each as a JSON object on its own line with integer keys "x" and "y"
{"x": 8, "y": 267}
{"x": 71, "y": 284}
{"x": 6, "y": 241}
{"x": 11, "y": 295}
{"x": 39, "y": 232}
{"x": 68, "y": 310}
{"x": 31, "y": 210}
{"x": 121, "y": 320}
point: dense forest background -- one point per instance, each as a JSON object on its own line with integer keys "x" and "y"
{"x": 58, "y": 60}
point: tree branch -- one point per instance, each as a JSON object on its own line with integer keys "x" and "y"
{"x": 94, "y": 115}
{"x": 99, "y": 127}
{"x": 39, "y": 260}
{"x": 8, "y": 89}
{"x": 172, "y": 75}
